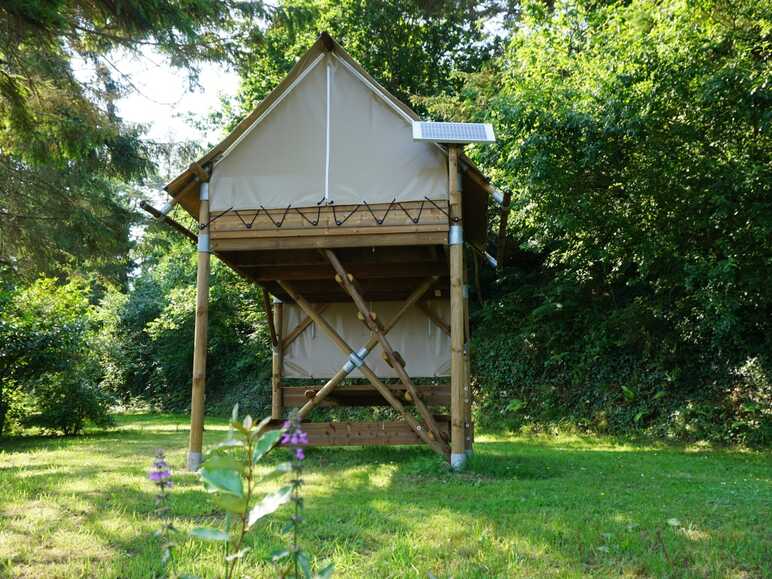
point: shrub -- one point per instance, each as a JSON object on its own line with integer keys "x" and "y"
{"x": 49, "y": 370}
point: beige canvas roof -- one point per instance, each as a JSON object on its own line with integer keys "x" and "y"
{"x": 301, "y": 144}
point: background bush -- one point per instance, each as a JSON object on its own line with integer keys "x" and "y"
{"x": 48, "y": 371}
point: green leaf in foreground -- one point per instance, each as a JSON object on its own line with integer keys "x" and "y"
{"x": 269, "y": 504}
{"x": 265, "y": 444}
{"x": 223, "y": 480}
{"x": 209, "y": 534}
{"x": 230, "y": 503}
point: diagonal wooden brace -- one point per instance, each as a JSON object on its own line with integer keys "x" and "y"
{"x": 367, "y": 317}
{"x": 301, "y": 327}
{"x": 438, "y": 321}
{"x": 342, "y": 373}
{"x": 438, "y": 445}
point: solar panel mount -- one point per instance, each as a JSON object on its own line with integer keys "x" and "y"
{"x": 453, "y": 132}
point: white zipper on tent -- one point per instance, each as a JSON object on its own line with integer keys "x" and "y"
{"x": 327, "y": 134}
{"x": 274, "y": 104}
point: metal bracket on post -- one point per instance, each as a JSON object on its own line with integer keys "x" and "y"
{"x": 203, "y": 191}
{"x": 456, "y": 235}
{"x": 457, "y": 460}
{"x": 194, "y": 461}
{"x": 203, "y": 242}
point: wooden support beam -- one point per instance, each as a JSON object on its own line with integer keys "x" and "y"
{"x": 199, "y": 172}
{"x": 501, "y": 244}
{"x": 294, "y": 272}
{"x": 439, "y": 322}
{"x": 331, "y": 238}
{"x": 457, "y": 367}
{"x": 363, "y": 395}
{"x": 198, "y": 393}
{"x": 177, "y": 226}
{"x": 300, "y": 328}
{"x": 468, "y": 432}
{"x": 341, "y": 374}
{"x": 277, "y": 361}
{"x": 372, "y": 324}
{"x": 437, "y": 445}
{"x": 269, "y": 318}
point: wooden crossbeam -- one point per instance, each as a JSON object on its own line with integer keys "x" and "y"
{"x": 342, "y": 373}
{"x": 363, "y": 395}
{"x": 362, "y": 433}
{"x": 369, "y": 320}
{"x": 438, "y": 321}
{"x": 300, "y": 328}
{"x": 438, "y": 446}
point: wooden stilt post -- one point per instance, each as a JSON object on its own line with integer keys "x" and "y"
{"x": 501, "y": 244}
{"x": 198, "y": 393}
{"x": 457, "y": 366}
{"x": 468, "y": 431}
{"x": 277, "y": 360}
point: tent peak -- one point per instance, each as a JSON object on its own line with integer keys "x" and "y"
{"x": 327, "y": 41}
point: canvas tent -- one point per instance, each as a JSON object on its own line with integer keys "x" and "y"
{"x": 322, "y": 196}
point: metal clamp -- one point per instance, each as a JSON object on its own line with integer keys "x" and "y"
{"x": 355, "y": 360}
{"x": 203, "y": 242}
{"x": 203, "y": 191}
{"x": 456, "y": 235}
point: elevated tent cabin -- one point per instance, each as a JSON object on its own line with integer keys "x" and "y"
{"x": 324, "y": 196}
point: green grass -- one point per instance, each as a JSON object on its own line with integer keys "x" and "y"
{"x": 562, "y": 506}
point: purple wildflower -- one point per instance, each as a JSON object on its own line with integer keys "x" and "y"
{"x": 159, "y": 475}
{"x": 295, "y": 438}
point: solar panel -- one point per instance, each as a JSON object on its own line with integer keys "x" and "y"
{"x": 453, "y": 132}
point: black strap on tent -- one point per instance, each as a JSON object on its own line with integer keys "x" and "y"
{"x": 382, "y": 219}
{"x": 283, "y": 217}
{"x": 251, "y": 223}
{"x": 340, "y": 222}
{"x": 314, "y": 222}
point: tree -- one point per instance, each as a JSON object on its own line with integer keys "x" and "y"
{"x": 414, "y": 47}
{"x": 63, "y": 149}
{"x": 635, "y": 137}
{"x": 48, "y": 369}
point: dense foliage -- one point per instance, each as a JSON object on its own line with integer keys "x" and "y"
{"x": 48, "y": 375}
{"x": 64, "y": 152}
{"x": 636, "y": 141}
{"x": 414, "y": 47}
{"x": 148, "y": 332}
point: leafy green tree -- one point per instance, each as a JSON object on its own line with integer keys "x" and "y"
{"x": 635, "y": 137}
{"x": 147, "y": 332}
{"x": 63, "y": 149}
{"x": 415, "y": 47}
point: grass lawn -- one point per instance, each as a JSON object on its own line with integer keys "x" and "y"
{"x": 527, "y": 507}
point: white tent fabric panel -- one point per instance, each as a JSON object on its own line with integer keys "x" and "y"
{"x": 424, "y": 347}
{"x": 284, "y": 157}
{"x": 281, "y": 160}
{"x": 373, "y": 155}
